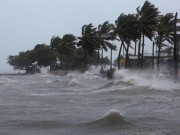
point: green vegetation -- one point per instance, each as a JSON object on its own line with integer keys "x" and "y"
{"x": 165, "y": 30}
{"x": 71, "y": 52}
{"x": 42, "y": 54}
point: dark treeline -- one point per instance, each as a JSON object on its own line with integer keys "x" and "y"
{"x": 131, "y": 30}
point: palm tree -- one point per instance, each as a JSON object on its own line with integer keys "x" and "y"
{"x": 126, "y": 29}
{"x": 165, "y": 29}
{"x": 105, "y": 34}
{"x": 65, "y": 46}
{"x": 88, "y": 41}
{"x": 55, "y": 41}
{"x": 147, "y": 20}
{"x": 112, "y": 48}
{"x": 176, "y": 29}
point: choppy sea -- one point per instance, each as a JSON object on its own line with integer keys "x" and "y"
{"x": 87, "y": 104}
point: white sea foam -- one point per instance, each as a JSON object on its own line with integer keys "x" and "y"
{"x": 149, "y": 79}
{"x": 44, "y": 71}
{"x": 49, "y": 81}
{"x": 72, "y": 75}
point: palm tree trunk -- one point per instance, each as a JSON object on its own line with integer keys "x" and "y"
{"x": 129, "y": 62}
{"x": 98, "y": 58}
{"x": 156, "y": 49}
{"x": 135, "y": 48}
{"x": 159, "y": 51}
{"x": 102, "y": 59}
{"x": 127, "y": 56}
{"x": 111, "y": 60}
{"x": 139, "y": 50}
{"x": 175, "y": 51}
{"x": 153, "y": 56}
{"x": 123, "y": 50}
{"x": 119, "y": 56}
{"x": 85, "y": 58}
{"x": 142, "y": 59}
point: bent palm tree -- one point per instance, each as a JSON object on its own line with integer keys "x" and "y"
{"x": 165, "y": 30}
{"x": 105, "y": 34}
{"x": 176, "y": 29}
{"x": 147, "y": 20}
{"x": 54, "y": 43}
{"x": 88, "y": 41}
{"x": 126, "y": 29}
{"x": 65, "y": 46}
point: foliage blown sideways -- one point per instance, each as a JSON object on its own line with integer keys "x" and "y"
{"x": 71, "y": 52}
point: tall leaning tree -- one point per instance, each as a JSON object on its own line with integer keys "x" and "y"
{"x": 88, "y": 42}
{"x": 175, "y": 50}
{"x": 147, "y": 19}
{"x": 126, "y": 29}
{"x": 105, "y": 35}
{"x": 165, "y": 30}
{"x": 65, "y": 47}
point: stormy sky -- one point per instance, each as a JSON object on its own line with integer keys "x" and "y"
{"x": 26, "y": 23}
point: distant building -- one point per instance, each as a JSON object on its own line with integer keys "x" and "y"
{"x": 148, "y": 59}
{"x": 134, "y": 60}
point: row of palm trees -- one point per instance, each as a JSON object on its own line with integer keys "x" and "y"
{"x": 88, "y": 44}
{"x": 130, "y": 29}
{"x": 92, "y": 39}
{"x": 146, "y": 23}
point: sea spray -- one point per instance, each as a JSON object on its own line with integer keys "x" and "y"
{"x": 147, "y": 79}
{"x": 83, "y": 104}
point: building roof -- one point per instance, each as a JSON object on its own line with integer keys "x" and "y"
{"x": 150, "y": 54}
{"x": 145, "y": 55}
{"x": 133, "y": 57}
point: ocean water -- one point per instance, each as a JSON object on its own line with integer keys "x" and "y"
{"x": 86, "y": 104}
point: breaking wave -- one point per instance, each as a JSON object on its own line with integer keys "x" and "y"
{"x": 74, "y": 82}
{"x": 112, "y": 118}
{"x": 54, "y": 81}
{"x": 146, "y": 79}
{"x": 72, "y": 75}
{"x": 117, "y": 83}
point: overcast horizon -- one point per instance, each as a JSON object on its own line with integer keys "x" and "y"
{"x": 25, "y": 24}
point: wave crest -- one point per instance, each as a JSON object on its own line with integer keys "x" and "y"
{"x": 112, "y": 118}
{"x": 150, "y": 79}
